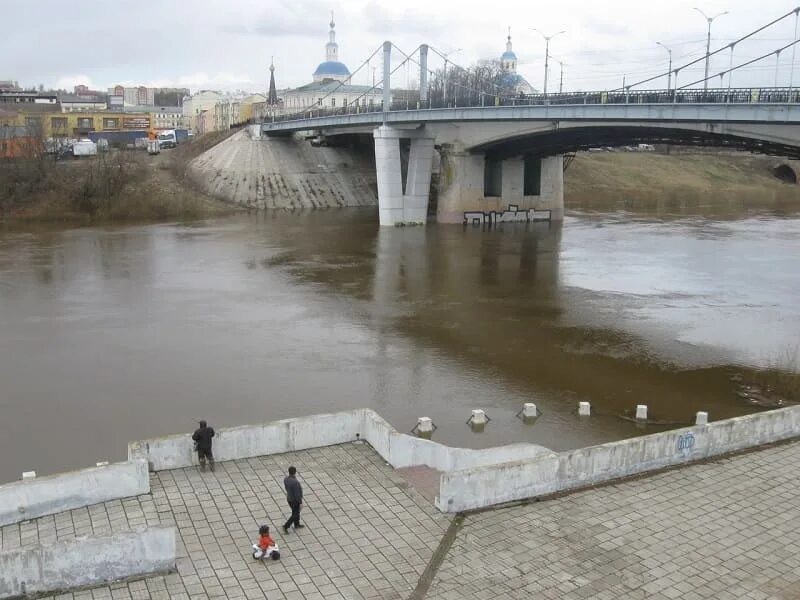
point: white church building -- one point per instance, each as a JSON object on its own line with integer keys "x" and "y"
{"x": 331, "y": 86}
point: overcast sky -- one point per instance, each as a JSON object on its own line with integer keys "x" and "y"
{"x": 227, "y": 44}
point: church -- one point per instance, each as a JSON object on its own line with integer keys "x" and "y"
{"x": 510, "y": 79}
{"x": 331, "y": 86}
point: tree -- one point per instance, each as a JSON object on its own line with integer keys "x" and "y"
{"x": 478, "y": 85}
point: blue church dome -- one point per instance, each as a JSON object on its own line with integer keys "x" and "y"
{"x": 330, "y": 67}
{"x": 508, "y": 56}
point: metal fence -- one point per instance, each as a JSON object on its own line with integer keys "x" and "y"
{"x": 470, "y": 99}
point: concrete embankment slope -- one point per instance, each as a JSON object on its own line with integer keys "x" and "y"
{"x": 286, "y": 173}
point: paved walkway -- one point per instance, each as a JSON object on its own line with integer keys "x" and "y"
{"x": 367, "y": 535}
{"x": 726, "y": 529}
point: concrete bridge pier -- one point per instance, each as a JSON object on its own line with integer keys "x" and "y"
{"x": 403, "y": 202}
{"x": 474, "y": 182}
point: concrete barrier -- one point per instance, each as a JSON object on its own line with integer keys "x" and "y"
{"x": 41, "y": 496}
{"x": 247, "y": 441}
{"x": 398, "y": 449}
{"x": 401, "y": 450}
{"x": 86, "y": 561}
{"x": 487, "y": 485}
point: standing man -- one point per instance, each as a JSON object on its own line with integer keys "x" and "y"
{"x": 202, "y": 443}
{"x": 294, "y": 496}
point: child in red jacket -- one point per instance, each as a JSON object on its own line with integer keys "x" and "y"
{"x": 266, "y": 546}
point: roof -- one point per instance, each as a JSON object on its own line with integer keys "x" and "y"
{"x": 508, "y": 56}
{"x": 331, "y": 67}
{"x": 78, "y": 99}
{"x": 333, "y": 86}
{"x": 148, "y": 108}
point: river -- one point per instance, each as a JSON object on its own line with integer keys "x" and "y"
{"x": 111, "y": 334}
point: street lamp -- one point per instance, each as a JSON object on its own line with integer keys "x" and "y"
{"x": 547, "y": 39}
{"x": 709, "y": 20}
{"x": 669, "y": 73}
{"x": 446, "y": 57}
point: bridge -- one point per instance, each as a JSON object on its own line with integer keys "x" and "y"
{"x": 501, "y": 155}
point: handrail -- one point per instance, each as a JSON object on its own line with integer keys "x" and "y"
{"x": 779, "y": 95}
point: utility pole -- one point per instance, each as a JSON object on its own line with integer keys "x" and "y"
{"x": 561, "y": 79}
{"x": 669, "y": 72}
{"x": 709, "y": 20}
{"x": 547, "y": 39}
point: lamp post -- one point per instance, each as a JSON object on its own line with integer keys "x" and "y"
{"x": 446, "y": 58}
{"x": 709, "y": 20}
{"x": 669, "y": 72}
{"x": 547, "y": 39}
{"x": 561, "y": 63}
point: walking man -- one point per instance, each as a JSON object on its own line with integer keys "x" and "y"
{"x": 294, "y": 496}
{"x": 202, "y": 443}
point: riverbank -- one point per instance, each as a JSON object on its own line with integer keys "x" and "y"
{"x": 123, "y": 185}
{"x": 641, "y": 179}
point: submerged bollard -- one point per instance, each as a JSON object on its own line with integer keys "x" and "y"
{"x": 102, "y": 464}
{"x": 478, "y": 420}
{"x": 529, "y": 410}
{"x": 28, "y": 475}
{"x": 702, "y": 418}
{"x": 641, "y": 412}
{"x": 584, "y": 409}
{"x": 424, "y": 427}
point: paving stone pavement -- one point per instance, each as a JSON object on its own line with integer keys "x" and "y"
{"x": 367, "y": 534}
{"x": 727, "y": 529}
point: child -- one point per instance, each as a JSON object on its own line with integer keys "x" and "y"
{"x": 266, "y": 547}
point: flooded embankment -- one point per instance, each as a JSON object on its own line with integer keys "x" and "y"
{"x": 110, "y": 334}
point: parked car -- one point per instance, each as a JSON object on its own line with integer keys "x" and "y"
{"x": 84, "y": 147}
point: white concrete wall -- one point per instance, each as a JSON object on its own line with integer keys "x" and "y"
{"x": 488, "y": 485}
{"x": 41, "y": 496}
{"x": 402, "y": 450}
{"x": 246, "y": 441}
{"x": 86, "y": 561}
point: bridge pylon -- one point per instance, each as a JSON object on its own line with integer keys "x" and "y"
{"x": 403, "y": 202}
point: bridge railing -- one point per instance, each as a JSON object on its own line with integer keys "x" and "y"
{"x": 477, "y": 99}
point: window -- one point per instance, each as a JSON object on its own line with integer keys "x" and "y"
{"x": 33, "y": 121}
{"x": 333, "y": 101}
{"x": 532, "y": 177}
{"x": 58, "y": 123}
{"x": 85, "y": 123}
{"x": 492, "y": 178}
{"x": 110, "y": 123}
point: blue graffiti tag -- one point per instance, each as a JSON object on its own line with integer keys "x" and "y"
{"x": 685, "y": 442}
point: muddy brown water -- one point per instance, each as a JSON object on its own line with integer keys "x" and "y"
{"x": 112, "y": 334}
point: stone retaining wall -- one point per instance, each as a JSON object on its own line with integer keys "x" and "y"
{"x": 86, "y": 561}
{"x": 516, "y": 480}
{"x": 31, "y": 498}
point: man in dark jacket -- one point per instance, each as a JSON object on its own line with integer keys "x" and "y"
{"x": 202, "y": 443}
{"x": 294, "y": 496}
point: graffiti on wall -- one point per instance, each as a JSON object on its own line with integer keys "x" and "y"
{"x": 512, "y": 215}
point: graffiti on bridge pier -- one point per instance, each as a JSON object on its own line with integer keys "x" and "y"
{"x": 512, "y": 215}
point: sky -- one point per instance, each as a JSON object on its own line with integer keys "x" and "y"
{"x": 228, "y": 44}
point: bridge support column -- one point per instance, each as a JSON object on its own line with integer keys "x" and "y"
{"x": 399, "y": 204}
{"x": 468, "y": 192}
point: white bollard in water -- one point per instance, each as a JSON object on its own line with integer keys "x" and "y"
{"x": 478, "y": 417}
{"x": 702, "y": 418}
{"x": 584, "y": 409}
{"x": 529, "y": 410}
{"x": 425, "y": 425}
{"x": 641, "y": 412}
{"x": 28, "y": 475}
{"x": 102, "y": 464}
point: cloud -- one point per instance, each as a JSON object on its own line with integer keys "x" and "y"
{"x": 284, "y": 18}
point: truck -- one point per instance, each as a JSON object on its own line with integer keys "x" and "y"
{"x": 84, "y": 147}
{"x": 167, "y": 138}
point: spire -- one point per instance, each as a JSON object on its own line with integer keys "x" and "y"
{"x": 272, "y": 96}
{"x": 508, "y": 43}
{"x": 332, "y": 48}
